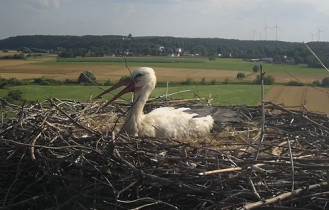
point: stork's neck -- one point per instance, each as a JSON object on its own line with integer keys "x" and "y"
{"x": 140, "y": 98}
{"x": 136, "y": 114}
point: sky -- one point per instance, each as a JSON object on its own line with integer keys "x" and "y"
{"x": 284, "y": 20}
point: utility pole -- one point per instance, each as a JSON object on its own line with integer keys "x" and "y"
{"x": 262, "y": 134}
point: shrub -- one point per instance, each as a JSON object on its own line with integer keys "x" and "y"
{"x": 255, "y": 68}
{"x": 87, "y": 77}
{"x": 188, "y": 81}
{"x": 240, "y": 75}
{"x": 124, "y": 78}
{"x": 69, "y": 81}
{"x": 268, "y": 80}
{"x": 45, "y": 81}
{"x": 14, "y": 95}
{"x": 108, "y": 83}
{"x": 316, "y": 83}
{"x": 3, "y": 83}
{"x": 294, "y": 83}
{"x": 325, "y": 82}
{"x": 227, "y": 81}
{"x": 203, "y": 80}
{"x": 14, "y": 81}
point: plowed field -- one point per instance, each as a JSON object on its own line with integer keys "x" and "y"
{"x": 28, "y": 70}
{"x": 300, "y": 98}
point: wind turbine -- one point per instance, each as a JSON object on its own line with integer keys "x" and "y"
{"x": 266, "y": 27}
{"x": 253, "y": 35}
{"x": 276, "y": 31}
{"x": 319, "y": 33}
{"x": 312, "y": 35}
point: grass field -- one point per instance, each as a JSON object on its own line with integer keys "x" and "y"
{"x": 185, "y": 62}
{"x": 221, "y": 94}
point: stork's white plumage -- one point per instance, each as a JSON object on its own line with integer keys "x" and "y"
{"x": 161, "y": 122}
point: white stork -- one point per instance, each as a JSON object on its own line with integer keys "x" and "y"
{"x": 162, "y": 122}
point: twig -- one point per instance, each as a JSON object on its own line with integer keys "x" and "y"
{"x": 33, "y": 143}
{"x": 254, "y": 189}
{"x": 74, "y": 121}
{"x": 226, "y": 170}
{"x": 282, "y": 196}
{"x": 316, "y": 57}
{"x": 292, "y": 168}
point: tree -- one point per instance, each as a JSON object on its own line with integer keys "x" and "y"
{"x": 269, "y": 80}
{"x": 87, "y": 77}
{"x": 255, "y": 68}
{"x": 240, "y": 75}
{"x": 14, "y": 95}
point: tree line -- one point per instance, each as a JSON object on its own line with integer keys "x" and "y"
{"x": 73, "y": 46}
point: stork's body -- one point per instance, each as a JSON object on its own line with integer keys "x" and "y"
{"x": 161, "y": 122}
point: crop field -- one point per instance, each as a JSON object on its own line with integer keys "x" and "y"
{"x": 300, "y": 98}
{"x": 216, "y": 94}
{"x": 167, "y": 69}
{"x": 172, "y": 69}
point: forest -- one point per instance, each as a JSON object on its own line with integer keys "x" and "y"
{"x": 114, "y": 45}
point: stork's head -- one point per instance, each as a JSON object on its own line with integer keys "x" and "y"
{"x": 141, "y": 81}
{"x": 144, "y": 79}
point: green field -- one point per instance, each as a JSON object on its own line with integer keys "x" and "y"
{"x": 238, "y": 92}
{"x": 186, "y": 62}
{"x": 221, "y": 94}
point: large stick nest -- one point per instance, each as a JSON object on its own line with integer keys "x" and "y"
{"x": 67, "y": 155}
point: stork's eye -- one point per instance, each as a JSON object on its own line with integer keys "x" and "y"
{"x": 138, "y": 76}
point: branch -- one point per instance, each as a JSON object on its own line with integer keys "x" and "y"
{"x": 281, "y": 196}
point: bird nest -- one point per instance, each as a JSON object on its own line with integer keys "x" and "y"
{"x": 69, "y": 155}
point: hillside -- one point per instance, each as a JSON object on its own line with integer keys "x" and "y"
{"x": 98, "y": 46}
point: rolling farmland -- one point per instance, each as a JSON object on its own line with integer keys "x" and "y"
{"x": 182, "y": 69}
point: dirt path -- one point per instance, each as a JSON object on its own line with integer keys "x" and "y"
{"x": 300, "y": 98}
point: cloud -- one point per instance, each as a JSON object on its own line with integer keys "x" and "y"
{"x": 55, "y": 4}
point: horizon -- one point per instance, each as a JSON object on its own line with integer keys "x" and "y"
{"x": 280, "y": 20}
{"x": 63, "y": 35}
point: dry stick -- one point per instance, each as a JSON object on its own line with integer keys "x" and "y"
{"x": 147, "y": 199}
{"x": 126, "y": 63}
{"x": 227, "y": 170}
{"x": 281, "y": 196}
{"x": 50, "y": 147}
{"x": 33, "y": 143}
{"x": 21, "y": 202}
{"x": 18, "y": 172}
{"x": 126, "y": 188}
{"x": 146, "y": 205}
{"x": 254, "y": 189}
{"x": 74, "y": 121}
{"x": 316, "y": 57}
{"x": 37, "y": 137}
{"x": 94, "y": 83}
{"x": 292, "y": 171}
{"x": 294, "y": 113}
{"x": 166, "y": 181}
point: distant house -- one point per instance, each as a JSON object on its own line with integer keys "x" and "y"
{"x": 266, "y": 60}
{"x": 288, "y": 60}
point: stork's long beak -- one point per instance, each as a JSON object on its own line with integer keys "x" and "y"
{"x": 127, "y": 82}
